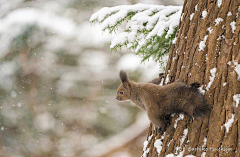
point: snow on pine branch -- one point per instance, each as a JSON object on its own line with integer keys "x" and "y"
{"x": 148, "y": 28}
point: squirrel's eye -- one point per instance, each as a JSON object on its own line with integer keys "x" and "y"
{"x": 121, "y": 93}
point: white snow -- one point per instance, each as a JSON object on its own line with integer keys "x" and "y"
{"x": 202, "y": 44}
{"x": 218, "y": 20}
{"x": 236, "y": 98}
{"x": 203, "y": 154}
{"x": 204, "y": 14}
{"x": 232, "y": 24}
{"x": 210, "y": 29}
{"x": 157, "y": 23}
{"x": 174, "y": 40}
{"x": 237, "y": 69}
{"x": 165, "y": 23}
{"x": 196, "y": 7}
{"x": 185, "y": 132}
{"x": 211, "y": 78}
{"x": 181, "y": 16}
{"x": 219, "y": 3}
{"x": 158, "y": 143}
{"x": 167, "y": 77}
{"x": 201, "y": 90}
{"x": 228, "y": 124}
{"x": 119, "y": 39}
{"x": 191, "y": 16}
{"x": 180, "y": 154}
{"x": 145, "y": 149}
{"x": 224, "y": 84}
{"x": 206, "y": 57}
{"x": 229, "y": 14}
{"x": 181, "y": 116}
{"x": 169, "y": 142}
{"x": 204, "y": 142}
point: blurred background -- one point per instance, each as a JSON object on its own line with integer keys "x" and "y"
{"x": 58, "y": 82}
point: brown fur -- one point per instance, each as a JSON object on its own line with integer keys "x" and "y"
{"x": 162, "y": 101}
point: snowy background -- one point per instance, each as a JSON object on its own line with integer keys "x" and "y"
{"x": 58, "y": 79}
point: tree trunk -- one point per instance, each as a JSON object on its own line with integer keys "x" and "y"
{"x": 207, "y": 51}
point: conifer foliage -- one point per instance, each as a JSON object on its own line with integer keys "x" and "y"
{"x": 150, "y": 29}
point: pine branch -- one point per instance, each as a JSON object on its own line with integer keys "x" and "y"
{"x": 149, "y": 31}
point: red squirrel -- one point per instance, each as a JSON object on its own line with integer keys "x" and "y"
{"x": 161, "y": 101}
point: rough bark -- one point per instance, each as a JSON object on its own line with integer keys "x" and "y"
{"x": 190, "y": 64}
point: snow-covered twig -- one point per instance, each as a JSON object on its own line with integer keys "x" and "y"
{"x": 155, "y": 24}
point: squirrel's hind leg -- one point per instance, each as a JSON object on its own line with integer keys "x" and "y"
{"x": 159, "y": 121}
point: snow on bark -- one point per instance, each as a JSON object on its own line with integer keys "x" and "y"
{"x": 203, "y": 146}
{"x": 201, "y": 90}
{"x": 210, "y": 29}
{"x": 185, "y": 132}
{"x": 202, "y": 44}
{"x": 236, "y": 98}
{"x": 167, "y": 78}
{"x": 237, "y": 69}
{"x": 228, "y": 124}
{"x": 181, "y": 116}
{"x": 218, "y": 20}
{"x": 191, "y": 16}
{"x": 219, "y": 3}
{"x": 204, "y": 14}
{"x": 159, "y": 143}
{"x": 145, "y": 149}
{"x": 211, "y": 78}
{"x": 232, "y": 24}
{"x": 196, "y": 7}
{"x": 204, "y": 142}
{"x": 229, "y": 14}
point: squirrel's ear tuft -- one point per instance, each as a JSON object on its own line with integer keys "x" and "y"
{"x": 123, "y": 76}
